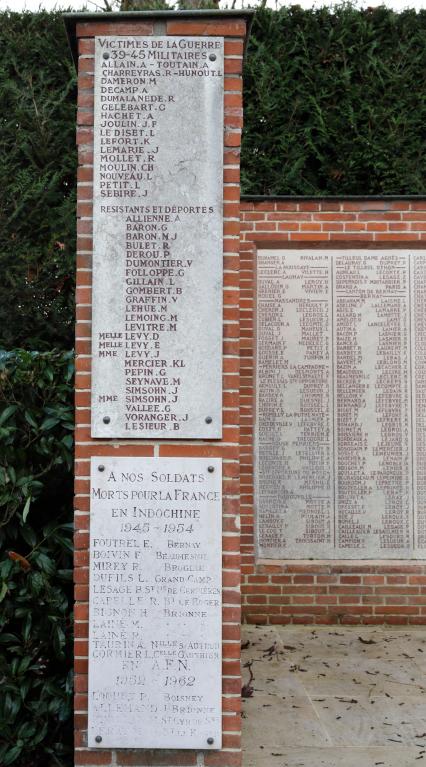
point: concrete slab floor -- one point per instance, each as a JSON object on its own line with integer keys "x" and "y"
{"x": 334, "y": 696}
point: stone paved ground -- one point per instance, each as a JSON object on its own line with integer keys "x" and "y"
{"x": 335, "y": 697}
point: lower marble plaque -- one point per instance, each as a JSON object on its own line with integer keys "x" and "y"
{"x": 155, "y": 603}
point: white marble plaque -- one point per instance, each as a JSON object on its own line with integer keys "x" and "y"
{"x": 157, "y": 239}
{"x": 341, "y": 404}
{"x": 155, "y": 603}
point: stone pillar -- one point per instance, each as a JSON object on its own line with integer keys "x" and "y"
{"x": 83, "y": 29}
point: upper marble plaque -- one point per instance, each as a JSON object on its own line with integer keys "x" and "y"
{"x": 341, "y": 404}
{"x": 157, "y": 237}
{"x": 155, "y": 618}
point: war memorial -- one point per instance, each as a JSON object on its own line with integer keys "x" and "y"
{"x": 250, "y": 394}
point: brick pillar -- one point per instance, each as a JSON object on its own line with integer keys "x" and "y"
{"x": 82, "y": 29}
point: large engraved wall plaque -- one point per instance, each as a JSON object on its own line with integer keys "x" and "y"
{"x": 341, "y": 404}
{"x": 155, "y": 603}
{"x": 157, "y": 239}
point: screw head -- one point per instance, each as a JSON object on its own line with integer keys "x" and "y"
{"x": 210, "y": 741}
{"x": 101, "y": 468}
{"x": 106, "y": 55}
{"x": 212, "y": 57}
{"x": 210, "y": 469}
{"x": 106, "y": 419}
{"x": 98, "y": 739}
{"x": 209, "y": 419}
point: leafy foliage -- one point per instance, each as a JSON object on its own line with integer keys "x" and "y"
{"x": 37, "y": 191}
{"x": 335, "y": 102}
{"x": 36, "y": 441}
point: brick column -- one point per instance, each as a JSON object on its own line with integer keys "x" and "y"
{"x": 82, "y": 29}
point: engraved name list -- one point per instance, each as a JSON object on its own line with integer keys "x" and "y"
{"x": 340, "y": 455}
{"x": 157, "y": 249}
{"x": 155, "y": 603}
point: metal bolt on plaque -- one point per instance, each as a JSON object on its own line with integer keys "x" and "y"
{"x": 212, "y": 57}
{"x": 98, "y": 739}
{"x": 101, "y": 468}
{"x": 209, "y": 419}
{"x": 210, "y": 469}
{"x": 106, "y": 419}
{"x": 210, "y": 741}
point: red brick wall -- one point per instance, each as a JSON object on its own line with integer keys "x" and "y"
{"x": 233, "y": 29}
{"x": 372, "y": 592}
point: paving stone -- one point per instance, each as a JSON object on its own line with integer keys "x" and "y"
{"x": 334, "y": 697}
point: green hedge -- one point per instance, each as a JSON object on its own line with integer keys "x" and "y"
{"x": 36, "y": 450}
{"x": 37, "y": 189}
{"x": 335, "y": 103}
